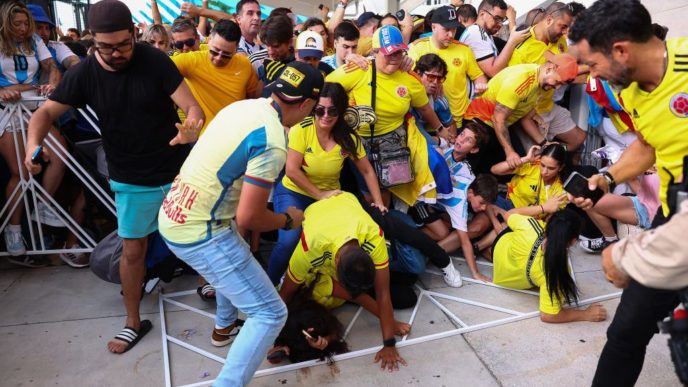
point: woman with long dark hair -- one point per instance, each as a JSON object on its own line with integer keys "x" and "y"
{"x": 535, "y": 181}
{"x": 528, "y": 254}
{"x": 318, "y": 147}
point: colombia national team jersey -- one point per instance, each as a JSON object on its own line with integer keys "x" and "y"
{"x": 461, "y": 66}
{"x": 515, "y": 87}
{"x": 661, "y": 116}
{"x": 321, "y": 167}
{"x": 246, "y": 139}
{"x": 328, "y": 225}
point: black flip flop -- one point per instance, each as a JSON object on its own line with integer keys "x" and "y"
{"x": 204, "y": 290}
{"x": 130, "y": 336}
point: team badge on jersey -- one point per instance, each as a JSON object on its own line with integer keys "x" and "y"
{"x": 456, "y": 62}
{"x": 402, "y": 91}
{"x": 679, "y": 105}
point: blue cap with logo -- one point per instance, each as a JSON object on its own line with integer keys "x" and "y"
{"x": 388, "y": 40}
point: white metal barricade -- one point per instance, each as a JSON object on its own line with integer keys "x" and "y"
{"x": 17, "y": 116}
{"x": 433, "y": 296}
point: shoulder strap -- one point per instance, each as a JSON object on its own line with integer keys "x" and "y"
{"x": 373, "y": 85}
{"x": 531, "y": 257}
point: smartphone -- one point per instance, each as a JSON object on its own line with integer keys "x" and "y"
{"x": 306, "y": 334}
{"x": 401, "y": 14}
{"x": 522, "y": 27}
{"x": 577, "y": 185}
{"x": 37, "y": 156}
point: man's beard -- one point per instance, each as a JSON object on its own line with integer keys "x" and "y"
{"x": 117, "y": 63}
{"x": 620, "y": 78}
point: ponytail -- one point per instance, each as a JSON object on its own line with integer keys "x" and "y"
{"x": 563, "y": 227}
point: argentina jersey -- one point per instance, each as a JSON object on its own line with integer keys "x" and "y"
{"x": 23, "y": 67}
{"x": 456, "y": 203}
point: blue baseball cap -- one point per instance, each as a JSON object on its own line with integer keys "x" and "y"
{"x": 39, "y": 15}
{"x": 388, "y": 40}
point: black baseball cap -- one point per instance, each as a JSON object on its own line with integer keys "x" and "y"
{"x": 446, "y": 16}
{"x": 365, "y": 16}
{"x": 109, "y": 16}
{"x": 297, "y": 82}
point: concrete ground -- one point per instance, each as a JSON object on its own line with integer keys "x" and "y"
{"x": 56, "y": 321}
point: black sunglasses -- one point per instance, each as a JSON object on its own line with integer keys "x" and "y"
{"x": 220, "y": 53}
{"x": 331, "y": 111}
{"x": 188, "y": 43}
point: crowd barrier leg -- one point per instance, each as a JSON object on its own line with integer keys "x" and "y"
{"x": 29, "y": 192}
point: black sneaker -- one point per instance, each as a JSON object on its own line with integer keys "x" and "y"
{"x": 596, "y": 245}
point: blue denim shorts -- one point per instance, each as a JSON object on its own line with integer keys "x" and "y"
{"x": 137, "y": 208}
{"x": 644, "y": 220}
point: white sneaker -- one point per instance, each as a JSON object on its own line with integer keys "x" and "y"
{"x": 452, "y": 276}
{"x": 14, "y": 242}
{"x": 47, "y": 216}
{"x": 76, "y": 260}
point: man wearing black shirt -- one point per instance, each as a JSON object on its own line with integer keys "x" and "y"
{"x": 133, "y": 89}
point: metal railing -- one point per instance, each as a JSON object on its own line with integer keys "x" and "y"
{"x": 17, "y": 115}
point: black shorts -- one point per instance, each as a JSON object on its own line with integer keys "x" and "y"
{"x": 424, "y": 214}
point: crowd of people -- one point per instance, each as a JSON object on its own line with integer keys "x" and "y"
{"x": 372, "y": 145}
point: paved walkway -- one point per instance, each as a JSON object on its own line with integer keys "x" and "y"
{"x": 55, "y": 323}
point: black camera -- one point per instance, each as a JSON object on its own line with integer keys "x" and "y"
{"x": 676, "y": 325}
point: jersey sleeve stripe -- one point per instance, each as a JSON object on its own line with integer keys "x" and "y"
{"x": 304, "y": 245}
{"x": 292, "y": 276}
{"x": 258, "y": 181}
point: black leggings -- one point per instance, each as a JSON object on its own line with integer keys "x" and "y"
{"x": 397, "y": 229}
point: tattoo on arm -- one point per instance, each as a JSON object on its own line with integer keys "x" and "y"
{"x": 501, "y": 113}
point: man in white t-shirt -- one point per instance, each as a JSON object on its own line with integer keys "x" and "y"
{"x": 491, "y": 17}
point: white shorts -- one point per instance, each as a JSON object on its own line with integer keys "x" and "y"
{"x": 559, "y": 121}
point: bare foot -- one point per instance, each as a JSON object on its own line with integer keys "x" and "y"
{"x": 118, "y": 346}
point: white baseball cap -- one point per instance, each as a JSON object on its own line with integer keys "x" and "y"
{"x": 309, "y": 44}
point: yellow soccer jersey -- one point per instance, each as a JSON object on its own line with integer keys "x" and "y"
{"x": 396, "y": 94}
{"x": 661, "y": 116}
{"x": 321, "y": 167}
{"x": 515, "y": 87}
{"x": 511, "y": 260}
{"x": 216, "y": 87}
{"x": 532, "y": 51}
{"x": 328, "y": 224}
{"x": 461, "y": 65}
{"x": 245, "y": 141}
{"x": 526, "y": 188}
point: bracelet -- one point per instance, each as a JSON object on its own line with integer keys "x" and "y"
{"x": 389, "y": 342}
{"x": 611, "y": 183}
{"x": 542, "y": 208}
{"x": 439, "y": 128}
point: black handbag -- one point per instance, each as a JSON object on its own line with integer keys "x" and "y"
{"x": 392, "y": 164}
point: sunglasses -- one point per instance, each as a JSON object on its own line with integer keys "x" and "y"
{"x": 220, "y": 53}
{"x": 331, "y": 111}
{"x": 435, "y": 77}
{"x": 188, "y": 43}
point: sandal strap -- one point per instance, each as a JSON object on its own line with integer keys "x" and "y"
{"x": 127, "y": 335}
{"x": 207, "y": 288}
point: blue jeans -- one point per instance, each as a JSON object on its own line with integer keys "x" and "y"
{"x": 226, "y": 262}
{"x": 282, "y": 198}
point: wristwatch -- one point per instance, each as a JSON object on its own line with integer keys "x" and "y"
{"x": 289, "y": 223}
{"x": 611, "y": 183}
{"x": 389, "y": 342}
